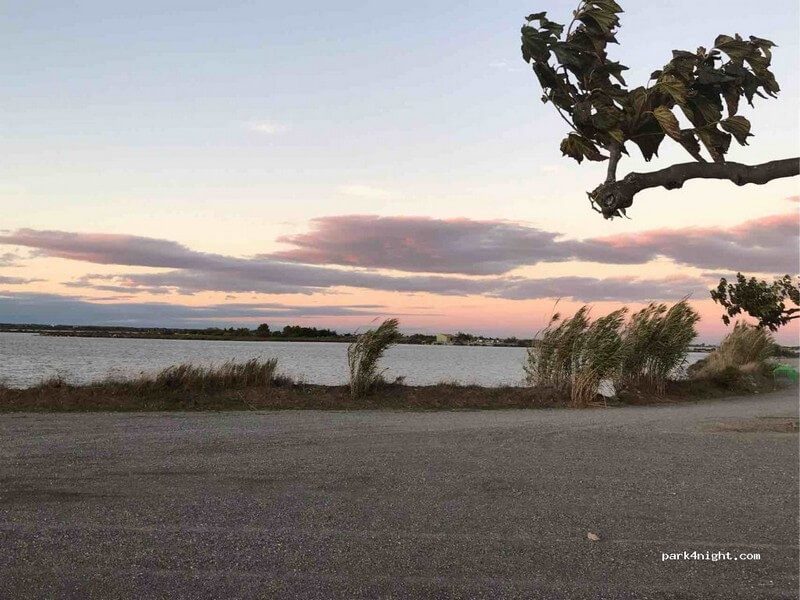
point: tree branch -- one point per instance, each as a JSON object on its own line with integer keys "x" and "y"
{"x": 615, "y": 152}
{"x": 613, "y": 197}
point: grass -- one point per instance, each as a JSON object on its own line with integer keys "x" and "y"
{"x": 757, "y": 425}
{"x": 598, "y": 354}
{"x": 551, "y": 362}
{"x": 745, "y": 349}
{"x": 574, "y": 354}
{"x": 253, "y": 373}
{"x": 179, "y": 385}
{"x": 283, "y": 394}
{"x": 657, "y": 342}
{"x": 364, "y": 354}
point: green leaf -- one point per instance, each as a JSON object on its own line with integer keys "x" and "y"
{"x": 546, "y": 75}
{"x": 606, "y": 118}
{"x": 668, "y": 122}
{"x": 636, "y": 106}
{"x": 555, "y": 29}
{"x": 683, "y": 54}
{"x": 686, "y": 110}
{"x": 568, "y": 55}
{"x": 673, "y": 87}
{"x": 536, "y": 16}
{"x": 648, "y": 137}
{"x": 715, "y": 141}
{"x": 534, "y": 44}
{"x": 579, "y": 147}
{"x": 739, "y": 127}
{"x": 737, "y": 49}
{"x": 762, "y": 42}
{"x": 608, "y": 6}
{"x": 763, "y": 45}
{"x": 705, "y": 108}
{"x": 690, "y": 144}
{"x": 582, "y": 114}
{"x": 731, "y": 94}
{"x": 614, "y": 69}
{"x": 707, "y": 76}
{"x": 682, "y": 64}
{"x": 605, "y": 20}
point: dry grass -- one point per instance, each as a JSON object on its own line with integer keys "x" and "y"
{"x": 657, "y": 342}
{"x": 176, "y": 385}
{"x": 253, "y": 373}
{"x": 57, "y": 396}
{"x": 575, "y": 354}
{"x": 363, "y": 357}
{"x": 185, "y": 394}
{"x": 598, "y": 354}
{"x": 757, "y": 425}
{"x": 551, "y": 362}
{"x": 745, "y": 349}
{"x": 120, "y": 396}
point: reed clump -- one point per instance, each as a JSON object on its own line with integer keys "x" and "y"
{"x": 575, "y": 354}
{"x": 253, "y": 373}
{"x": 745, "y": 349}
{"x": 599, "y": 352}
{"x": 186, "y": 377}
{"x": 364, "y": 354}
{"x": 657, "y": 342}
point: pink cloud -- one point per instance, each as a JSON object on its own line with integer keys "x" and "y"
{"x": 422, "y": 244}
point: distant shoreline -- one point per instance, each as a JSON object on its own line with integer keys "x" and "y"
{"x": 155, "y": 334}
{"x": 198, "y": 335}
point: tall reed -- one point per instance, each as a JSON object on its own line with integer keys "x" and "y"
{"x": 657, "y": 341}
{"x": 364, "y": 354}
{"x": 598, "y": 355}
{"x": 575, "y": 354}
{"x": 550, "y": 360}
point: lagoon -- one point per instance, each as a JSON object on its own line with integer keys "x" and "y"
{"x": 26, "y": 359}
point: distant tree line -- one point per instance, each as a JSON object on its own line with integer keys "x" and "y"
{"x": 261, "y": 332}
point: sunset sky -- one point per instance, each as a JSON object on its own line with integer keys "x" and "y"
{"x": 197, "y": 163}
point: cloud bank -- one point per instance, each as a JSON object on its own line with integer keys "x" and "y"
{"x": 57, "y": 309}
{"x": 439, "y": 256}
{"x": 421, "y": 244}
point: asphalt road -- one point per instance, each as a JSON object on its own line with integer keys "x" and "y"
{"x": 400, "y": 505}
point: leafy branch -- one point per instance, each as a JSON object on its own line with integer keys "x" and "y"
{"x": 589, "y": 92}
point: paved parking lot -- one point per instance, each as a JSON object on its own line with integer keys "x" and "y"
{"x": 401, "y": 505}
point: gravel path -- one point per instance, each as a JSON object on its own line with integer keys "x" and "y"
{"x": 401, "y": 505}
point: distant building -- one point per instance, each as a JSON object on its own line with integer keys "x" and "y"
{"x": 444, "y": 338}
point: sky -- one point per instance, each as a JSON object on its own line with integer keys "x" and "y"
{"x": 197, "y": 163}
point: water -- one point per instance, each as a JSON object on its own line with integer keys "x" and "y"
{"x": 26, "y": 359}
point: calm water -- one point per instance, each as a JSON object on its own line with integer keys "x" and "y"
{"x": 26, "y": 359}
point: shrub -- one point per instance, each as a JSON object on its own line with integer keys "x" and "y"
{"x": 745, "y": 348}
{"x": 364, "y": 354}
